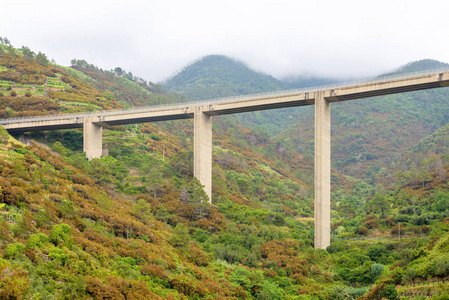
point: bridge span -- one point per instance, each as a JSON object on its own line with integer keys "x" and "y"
{"x": 202, "y": 112}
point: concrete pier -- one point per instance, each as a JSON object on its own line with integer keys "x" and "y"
{"x": 93, "y": 139}
{"x": 322, "y": 171}
{"x": 202, "y": 149}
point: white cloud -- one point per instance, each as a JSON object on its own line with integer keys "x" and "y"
{"x": 153, "y": 39}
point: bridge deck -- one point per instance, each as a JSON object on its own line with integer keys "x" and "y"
{"x": 342, "y": 92}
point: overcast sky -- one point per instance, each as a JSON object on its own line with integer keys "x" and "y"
{"x": 154, "y": 39}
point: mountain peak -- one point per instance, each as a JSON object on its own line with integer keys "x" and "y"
{"x": 419, "y": 65}
{"x": 215, "y": 76}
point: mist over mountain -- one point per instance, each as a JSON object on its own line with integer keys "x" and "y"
{"x": 217, "y": 76}
{"x": 418, "y": 66}
{"x": 363, "y": 143}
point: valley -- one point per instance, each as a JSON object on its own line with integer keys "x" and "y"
{"x": 136, "y": 223}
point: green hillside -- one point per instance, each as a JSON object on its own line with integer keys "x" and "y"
{"x": 418, "y": 66}
{"x": 367, "y": 134}
{"x": 135, "y": 224}
{"x": 31, "y": 85}
{"x": 217, "y": 76}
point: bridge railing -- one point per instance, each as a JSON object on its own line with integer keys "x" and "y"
{"x": 225, "y": 99}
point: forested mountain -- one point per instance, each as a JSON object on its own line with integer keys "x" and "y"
{"x": 367, "y": 134}
{"x": 217, "y": 76}
{"x": 419, "y": 66}
{"x": 135, "y": 224}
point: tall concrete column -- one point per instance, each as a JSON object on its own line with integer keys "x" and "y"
{"x": 322, "y": 171}
{"x": 202, "y": 150}
{"x": 93, "y": 139}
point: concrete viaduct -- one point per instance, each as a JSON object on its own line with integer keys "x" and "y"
{"x": 202, "y": 113}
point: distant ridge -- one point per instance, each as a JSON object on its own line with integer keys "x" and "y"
{"x": 216, "y": 76}
{"x": 418, "y": 66}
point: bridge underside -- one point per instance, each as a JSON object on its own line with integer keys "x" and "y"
{"x": 45, "y": 128}
{"x": 144, "y": 120}
{"x": 244, "y": 109}
{"x": 383, "y": 92}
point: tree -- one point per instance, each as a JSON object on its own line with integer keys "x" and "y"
{"x": 142, "y": 210}
{"x": 129, "y": 76}
{"x": 441, "y": 202}
{"x": 154, "y": 180}
{"x": 42, "y": 59}
{"x": 162, "y": 214}
{"x": 184, "y": 196}
{"x": 28, "y": 55}
{"x": 6, "y": 41}
{"x": 378, "y": 204}
{"x": 118, "y": 71}
{"x": 424, "y": 177}
{"x": 198, "y": 198}
{"x": 402, "y": 178}
{"x": 180, "y": 237}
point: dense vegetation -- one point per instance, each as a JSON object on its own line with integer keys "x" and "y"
{"x": 217, "y": 76}
{"x": 367, "y": 135}
{"x": 135, "y": 224}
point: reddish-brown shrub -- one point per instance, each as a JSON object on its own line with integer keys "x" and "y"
{"x": 153, "y": 270}
{"x": 363, "y": 230}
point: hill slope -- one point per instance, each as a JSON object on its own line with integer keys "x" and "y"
{"x": 31, "y": 85}
{"x": 367, "y": 134}
{"x": 136, "y": 224}
{"x": 217, "y": 76}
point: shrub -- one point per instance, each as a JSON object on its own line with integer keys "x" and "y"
{"x": 441, "y": 266}
{"x": 389, "y": 292}
{"x": 14, "y": 249}
{"x": 376, "y": 270}
{"x": 14, "y": 281}
{"x": 441, "y": 202}
{"x": 59, "y": 255}
{"x": 376, "y": 251}
{"x": 362, "y": 230}
{"x": 60, "y": 234}
{"x": 153, "y": 270}
{"x": 37, "y": 240}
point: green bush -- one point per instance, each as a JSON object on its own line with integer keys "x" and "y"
{"x": 58, "y": 255}
{"x": 37, "y": 240}
{"x": 12, "y": 250}
{"x": 389, "y": 292}
{"x": 441, "y": 266}
{"x": 60, "y": 234}
{"x": 376, "y": 270}
{"x": 441, "y": 202}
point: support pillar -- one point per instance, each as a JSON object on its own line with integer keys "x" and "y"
{"x": 322, "y": 171}
{"x": 202, "y": 150}
{"x": 93, "y": 139}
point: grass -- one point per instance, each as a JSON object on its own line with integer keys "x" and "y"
{"x": 20, "y": 88}
{"x": 78, "y": 74}
{"x": 56, "y": 83}
{"x": 68, "y": 105}
{"x": 5, "y": 84}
